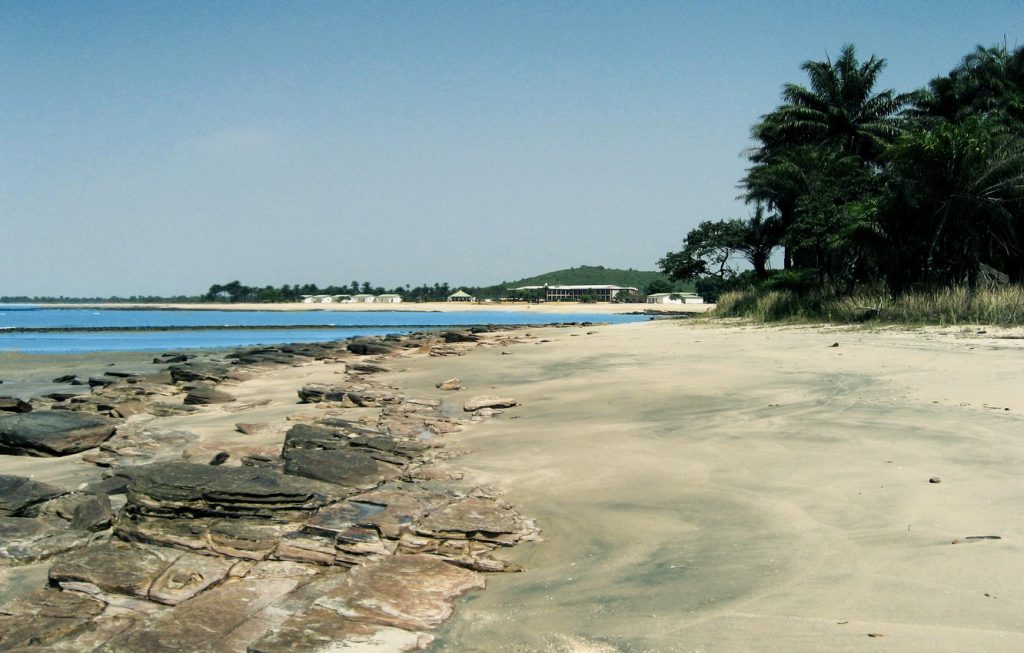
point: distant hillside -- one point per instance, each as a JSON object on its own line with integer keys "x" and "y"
{"x": 597, "y": 274}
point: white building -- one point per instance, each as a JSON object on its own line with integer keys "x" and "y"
{"x": 599, "y": 293}
{"x": 461, "y": 296}
{"x": 674, "y": 298}
{"x": 389, "y": 299}
{"x": 362, "y": 299}
{"x": 318, "y": 299}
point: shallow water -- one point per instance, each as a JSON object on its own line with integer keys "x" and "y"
{"x": 59, "y": 331}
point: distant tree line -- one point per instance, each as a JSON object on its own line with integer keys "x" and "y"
{"x": 852, "y": 186}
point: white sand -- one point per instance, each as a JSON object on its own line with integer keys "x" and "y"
{"x": 751, "y": 489}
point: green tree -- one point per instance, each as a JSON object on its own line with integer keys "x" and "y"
{"x": 840, "y": 107}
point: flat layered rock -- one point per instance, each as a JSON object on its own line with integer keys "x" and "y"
{"x": 14, "y": 405}
{"x": 314, "y": 393}
{"x": 476, "y": 518}
{"x": 118, "y": 567}
{"x": 204, "y": 395}
{"x": 488, "y": 401}
{"x": 208, "y": 623}
{"x": 203, "y": 490}
{"x": 411, "y": 592}
{"x": 250, "y": 539}
{"x": 454, "y": 383}
{"x": 44, "y": 617}
{"x": 134, "y": 445}
{"x": 371, "y": 348}
{"x": 25, "y": 540}
{"x": 83, "y": 511}
{"x": 205, "y": 372}
{"x": 52, "y": 433}
{"x": 321, "y": 631}
{"x": 348, "y": 467}
{"x": 18, "y": 493}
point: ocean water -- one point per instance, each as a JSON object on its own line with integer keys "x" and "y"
{"x": 63, "y": 331}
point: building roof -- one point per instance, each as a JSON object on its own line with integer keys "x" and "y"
{"x": 460, "y": 293}
{"x": 584, "y": 287}
{"x": 388, "y": 296}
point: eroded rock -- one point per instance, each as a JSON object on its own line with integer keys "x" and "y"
{"x": 52, "y": 433}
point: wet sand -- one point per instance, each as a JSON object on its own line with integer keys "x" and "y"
{"x": 708, "y": 488}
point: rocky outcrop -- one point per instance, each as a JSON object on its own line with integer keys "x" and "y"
{"x": 52, "y": 433}
{"x": 488, "y": 401}
{"x": 17, "y": 494}
{"x": 201, "y": 395}
{"x": 14, "y": 405}
{"x": 179, "y": 488}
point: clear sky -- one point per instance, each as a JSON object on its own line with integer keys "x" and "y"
{"x": 160, "y": 147}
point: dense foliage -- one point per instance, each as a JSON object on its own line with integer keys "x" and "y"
{"x": 859, "y": 188}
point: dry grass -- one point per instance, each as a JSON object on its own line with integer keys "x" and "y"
{"x": 949, "y": 306}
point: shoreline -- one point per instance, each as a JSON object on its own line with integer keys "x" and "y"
{"x": 382, "y": 510}
{"x": 720, "y": 486}
{"x": 430, "y": 307}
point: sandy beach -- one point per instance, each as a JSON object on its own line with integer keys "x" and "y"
{"x": 707, "y": 487}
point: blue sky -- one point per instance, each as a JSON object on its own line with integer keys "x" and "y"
{"x": 160, "y": 147}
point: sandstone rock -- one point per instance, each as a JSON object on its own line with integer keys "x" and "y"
{"x": 117, "y": 567}
{"x": 250, "y": 539}
{"x": 476, "y": 518}
{"x": 369, "y": 348}
{"x": 52, "y": 433}
{"x": 488, "y": 401}
{"x": 454, "y": 383}
{"x": 202, "y": 395}
{"x": 139, "y": 444}
{"x": 187, "y": 576}
{"x": 314, "y": 393}
{"x": 347, "y": 467}
{"x": 17, "y": 493}
{"x": 25, "y": 540}
{"x": 207, "y": 623}
{"x": 404, "y": 591}
{"x": 212, "y": 373}
{"x": 364, "y": 367}
{"x": 82, "y": 510}
{"x": 173, "y": 487}
{"x": 14, "y": 405}
{"x": 459, "y": 336}
{"x": 170, "y": 358}
{"x": 321, "y": 631}
{"x": 37, "y": 621}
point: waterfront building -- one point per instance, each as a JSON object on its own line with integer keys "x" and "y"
{"x": 597, "y": 293}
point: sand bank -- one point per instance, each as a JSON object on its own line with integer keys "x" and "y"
{"x": 444, "y": 307}
{"x": 726, "y": 489}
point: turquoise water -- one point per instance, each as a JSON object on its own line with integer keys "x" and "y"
{"x": 61, "y": 331}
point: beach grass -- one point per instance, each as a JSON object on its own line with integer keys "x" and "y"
{"x": 1003, "y": 305}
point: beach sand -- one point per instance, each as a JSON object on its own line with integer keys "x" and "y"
{"x": 721, "y": 488}
{"x": 708, "y": 488}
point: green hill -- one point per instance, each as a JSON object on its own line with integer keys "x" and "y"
{"x": 597, "y": 275}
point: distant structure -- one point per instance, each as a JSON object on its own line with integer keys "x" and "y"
{"x": 674, "y": 298}
{"x": 362, "y": 299}
{"x": 322, "y": 299}
{"x": 389, "y": 299}
{"x": 461, "y": 296}
{"x": 599, "y": 293}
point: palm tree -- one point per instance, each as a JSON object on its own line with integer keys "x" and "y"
{"x": 989, "y": 81}
{"x": 839, "y": 107}
{"x": 962, "y": 186}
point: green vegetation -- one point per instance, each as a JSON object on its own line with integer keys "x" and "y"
{"x": 235, "y": 291}
{"x": 883, "y": 205}
{"x": 596, "y": 274}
